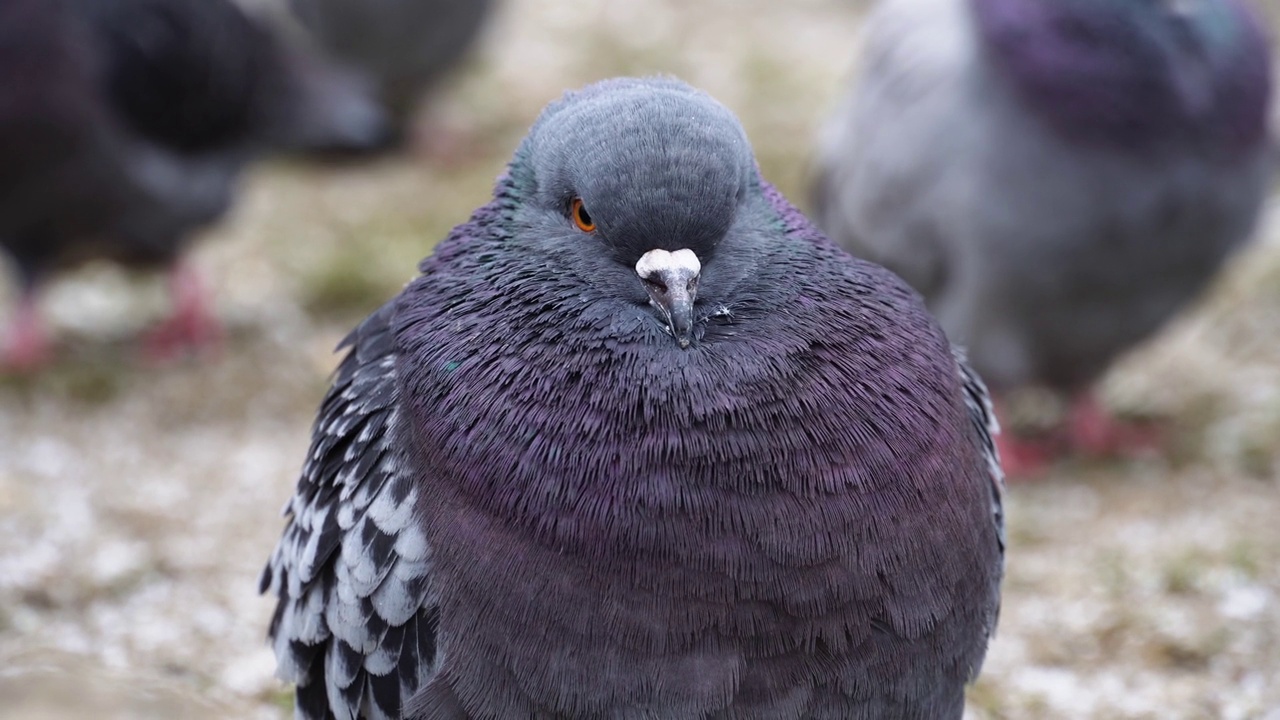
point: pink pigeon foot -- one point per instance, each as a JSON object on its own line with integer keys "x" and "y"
{"x": 192, "y": 328}
{"x": 1092, "y": 431}
{"x": 1023, "y": 458}
{"x": 27, "y": 347}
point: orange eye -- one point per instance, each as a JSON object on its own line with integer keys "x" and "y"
{"x": 580, "y": 216}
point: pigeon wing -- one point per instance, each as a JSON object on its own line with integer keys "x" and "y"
{"x": 986, "y": 428}
{"x": 354, "y": 627}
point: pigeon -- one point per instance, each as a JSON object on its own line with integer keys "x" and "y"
{"x": 1057, "y": 178}
{"x": 639, "y": 441}
{"x": 404, "y": 47}
{"x": 124, "y": 125}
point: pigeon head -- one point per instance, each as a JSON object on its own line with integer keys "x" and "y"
{"x": 635, "y": 187}
{"x": 1135, "y": 73}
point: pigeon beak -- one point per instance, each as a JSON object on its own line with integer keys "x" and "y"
{"x": 671, "y": 279}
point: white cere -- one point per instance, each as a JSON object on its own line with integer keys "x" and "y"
{"x": 679, "y": 263}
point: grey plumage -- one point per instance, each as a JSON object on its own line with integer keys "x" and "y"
{"x": 124, "y": 124}
{"x": 404, "y": 47}
{"x": 1057, "y": 179}
{"x": 533, "y": 491}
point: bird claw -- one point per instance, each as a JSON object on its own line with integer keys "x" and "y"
{"x": 180, "y": 335}
{"x": 1092, "y": 431}
{"x": 191, "y": 329}
{"x": 1023, "y": 458}
{"x": 1089, "y": 431}
{"x": 27, "y": 346}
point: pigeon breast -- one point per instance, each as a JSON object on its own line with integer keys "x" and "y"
{"x": 655, "y": 508}
{"x": 796, "y": 515}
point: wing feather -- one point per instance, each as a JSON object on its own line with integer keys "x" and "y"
{"x": 986, "y": 428}
{"x": 351, "y": 572}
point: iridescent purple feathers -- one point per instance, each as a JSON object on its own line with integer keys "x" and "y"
{"x": 794, "y": 514}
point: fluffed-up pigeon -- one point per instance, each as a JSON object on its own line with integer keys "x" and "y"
{"x": 1057, "y": 177}
{"x": 124, "y": 125}
{"x": 404, "y": 47}
{"x": 640, "y": 442}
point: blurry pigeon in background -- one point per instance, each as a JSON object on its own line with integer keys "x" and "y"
{"x": 124, "y": 125}
{"x": 1056, "y": 177}
{"x": 404, "y": 47}
{"x": 641, "y": 442}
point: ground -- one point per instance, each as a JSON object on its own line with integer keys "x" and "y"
{"x": 138, "y": 504}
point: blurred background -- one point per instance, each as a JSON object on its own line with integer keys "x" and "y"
{"x": 138, "y": 504}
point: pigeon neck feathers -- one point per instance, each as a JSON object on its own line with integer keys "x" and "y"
{"x": 500, "y": 318}
{"x": 1135, "y": 74}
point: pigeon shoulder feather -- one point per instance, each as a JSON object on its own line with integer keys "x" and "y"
{"x": 355, "y": 626}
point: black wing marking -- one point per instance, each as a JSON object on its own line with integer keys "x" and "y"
{"x": 355, "y": 626}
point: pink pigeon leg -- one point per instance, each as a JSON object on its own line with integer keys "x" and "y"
{"x": 1022, "y": 457}
{"x": 27, "y": 346}
{"x": 1092, "y": 431}
{"x": 192, "y": 327}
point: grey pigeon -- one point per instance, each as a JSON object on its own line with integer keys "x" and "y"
{"x": 641, "y": 443}
{"x": 124, "y": 125}
{"x": 404, "y": 47}
{"x": 1057, "y": 177}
